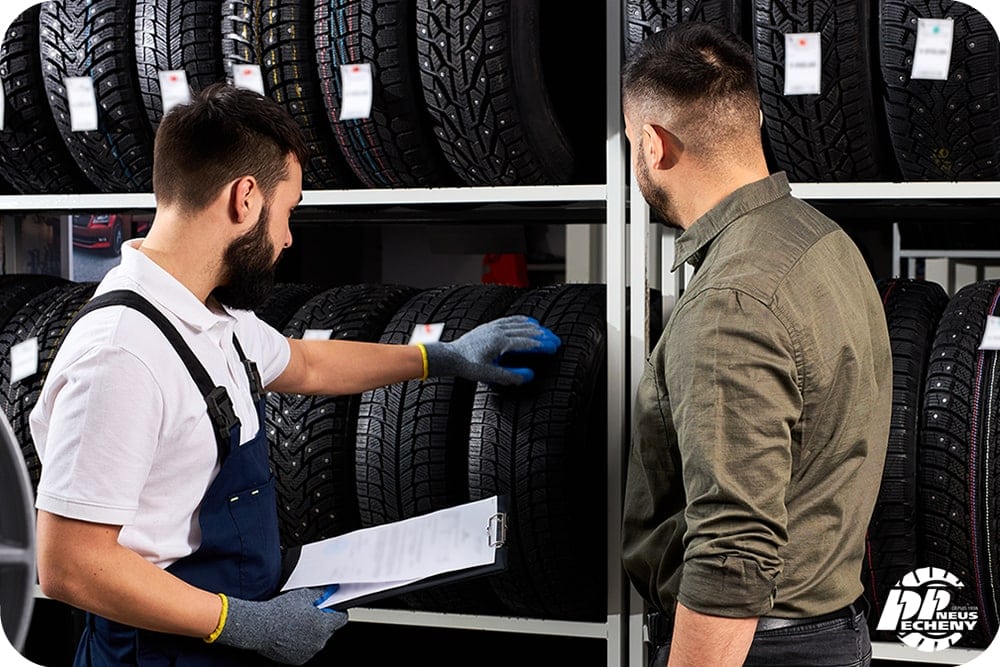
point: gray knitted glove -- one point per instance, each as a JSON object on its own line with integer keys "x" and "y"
{"x": 288, "y": 628}
{"x": 476, "y": 355}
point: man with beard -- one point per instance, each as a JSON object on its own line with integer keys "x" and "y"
{"x": 159, "y": 520}
{"x": 761, "y": 420}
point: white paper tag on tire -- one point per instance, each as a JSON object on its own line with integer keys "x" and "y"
{"x": 356, "y": 91}
{"x": 803, "y": 63}
{"x": 427, "y": 333}
{"x": 317, "y": 334}
{"x": 932, "y": 53}
{"x": 174, "y": 89}
{"x": 23, "y": 360}
{"x": 82, "y": 103}
{"x": 3, "y": 101}
{"x": 991, "y": 335}
{"x": 249, "y": 77}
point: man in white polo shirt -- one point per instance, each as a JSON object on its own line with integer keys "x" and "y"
{"x": 160, "y": 521}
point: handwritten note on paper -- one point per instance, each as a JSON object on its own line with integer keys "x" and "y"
{"x": 387, "y": 556}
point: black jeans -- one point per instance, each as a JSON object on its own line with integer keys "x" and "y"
{"x": 838, "y": 642}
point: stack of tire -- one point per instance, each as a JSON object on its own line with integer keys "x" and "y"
{"x": 938, "y": 504}
{"x": 872, "y": 119}
{"x": 354, "y": 461}
{"x": 349, "y": 462}
{"x": 464, "y": 91}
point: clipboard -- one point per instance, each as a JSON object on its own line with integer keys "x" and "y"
{"x": 494, "y": 533}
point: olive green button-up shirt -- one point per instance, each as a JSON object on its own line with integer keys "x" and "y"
{"x": 762, "y": 417}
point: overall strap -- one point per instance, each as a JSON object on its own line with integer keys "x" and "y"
{"x": 220, "y": 407}
{"x": 253, "y": 375}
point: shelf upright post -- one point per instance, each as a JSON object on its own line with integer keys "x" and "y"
{"x": 616, "y": 258}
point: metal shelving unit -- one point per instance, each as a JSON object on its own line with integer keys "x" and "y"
{"x": 612, "y": 196}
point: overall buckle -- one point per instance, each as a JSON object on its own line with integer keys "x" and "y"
{"x": 222, "y": 414}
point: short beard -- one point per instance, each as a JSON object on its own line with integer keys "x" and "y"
{"x": 249, "y": 268}
{"x": 655, "y": 196}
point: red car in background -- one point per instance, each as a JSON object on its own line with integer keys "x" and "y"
{"x": 107, "y": 231}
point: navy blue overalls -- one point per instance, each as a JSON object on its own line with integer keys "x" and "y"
{"x": 239, "y": 553}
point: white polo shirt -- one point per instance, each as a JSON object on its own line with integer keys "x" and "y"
{"x": 120, "y": 427}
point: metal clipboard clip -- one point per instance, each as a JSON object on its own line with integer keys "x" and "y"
{"x": 497, "y": 529}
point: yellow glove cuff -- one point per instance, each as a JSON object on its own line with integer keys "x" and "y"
{"x": 222, "y": 620}
{"x": 423, "y": 357}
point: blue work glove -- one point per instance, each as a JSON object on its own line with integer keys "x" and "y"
{"x": 288, "y": 628}
{"x": 476, "y": 355}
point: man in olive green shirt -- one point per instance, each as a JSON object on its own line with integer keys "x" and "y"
{"x": 761, "y": 420}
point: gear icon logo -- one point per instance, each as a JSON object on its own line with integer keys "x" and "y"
{"x": 919, "y": 610}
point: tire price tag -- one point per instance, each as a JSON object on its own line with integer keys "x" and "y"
{"x": 174, "y": 89}
{"x": 249, "y": 77}
{"x": 932, "y": 53}
{"x": 23, "y": 360}
{"x": 356, "y": 88}
{"x": 82, "y": 103}
{"x": 803, "y": 63}
{"x": 427, "y": 333}
{"x": 317, "y": 334}
{"x": 991, "y": 335}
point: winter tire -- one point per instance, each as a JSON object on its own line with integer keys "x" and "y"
{"x": 22, "y": 396}
{"x": 312, "y": 437}
{"x": 481, "y": 68}
{"x": 835, "y": 135}
{"x": 240, "y": 35}
{"x": 912, "y": 310}
{"x": 413, "y": 437}
{"x": 543, "y": 444}
{"x": 289, "y": 66}
{"x": 33, "y": 157}
{"x": 394, "y": 146}
{"x": 22, "y": 303}
{"x": 646, "y": 17}
{"x": 942, "y": 130}
{"x": 96, "y": 39}
{"x": 176, "y": 35}
{"x": 284, "y": 301}
{"x": 959, "y": 470}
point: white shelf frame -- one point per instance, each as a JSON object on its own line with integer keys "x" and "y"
{"x": 313, "y": 198}
{"x": 529, "y": 194}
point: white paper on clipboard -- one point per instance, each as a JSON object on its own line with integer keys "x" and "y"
{"x": 384, "y": 557}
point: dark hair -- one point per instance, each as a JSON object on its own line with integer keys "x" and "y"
{"x": 699, "y": 71}
{"x": 224, "y": 133}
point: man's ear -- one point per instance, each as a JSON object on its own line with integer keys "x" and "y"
{"x": 241, "y": 194}
{"x": 663, "y": 148}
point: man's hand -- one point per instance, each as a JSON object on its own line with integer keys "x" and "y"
{"x": 288, "y": 628}
{"x": 476, "y": 354}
